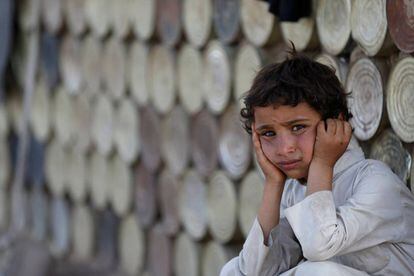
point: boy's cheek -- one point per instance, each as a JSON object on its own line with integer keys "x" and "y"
{"x": 268, "y": 149}
{"x": 307, "y": 143}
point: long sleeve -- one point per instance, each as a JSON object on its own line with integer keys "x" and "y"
{"x": 371, "y": 216}
{"x": 284, "y": 250}
{"x": 282, "y": 253}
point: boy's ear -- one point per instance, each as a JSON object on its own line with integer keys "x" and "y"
{"x": 341, "y": 116}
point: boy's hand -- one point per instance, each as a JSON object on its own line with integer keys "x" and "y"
{"x": 272, "y": 173}
{"x": 331, "y": 142}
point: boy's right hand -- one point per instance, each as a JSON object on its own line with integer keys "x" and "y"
{"x": 272, "y": 173}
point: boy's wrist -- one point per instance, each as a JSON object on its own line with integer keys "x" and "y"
{"x": 319, "y": 177}
{"x": 275, "y": 184}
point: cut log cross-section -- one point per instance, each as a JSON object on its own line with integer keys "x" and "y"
{"x": 367, "y": 102}
{"x": 389, "y": 149}
{"x": 227, "y": 20}
{"x": 400, "y": 99}
{"x": 193, "y": 205}
{"x": 258, "y": 24}
{"x": 400, "y": 19}
{"x": 197, "y": 20}
{"x": 234, "y": 144}
{"x": 190, "y": 77}
{"x": 250, "y": 198}
{"x": 75, "y": 11}
{"x": 204, "y": 142}
{"x": 333, "y": 20}
{"x": 175, "y": 140}
{"x": 131, "y": 245}
{"x": 168, "y": 193}
{"x": 218, "y": 74}
{"x": 145, "y": 196}
{"x": 370, "y": 27}
{"x": 222, "y": 207}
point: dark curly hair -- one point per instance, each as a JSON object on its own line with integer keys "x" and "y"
{"x": 297, "y": 79}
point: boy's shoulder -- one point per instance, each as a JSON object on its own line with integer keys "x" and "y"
{"x": 371, "y": 172}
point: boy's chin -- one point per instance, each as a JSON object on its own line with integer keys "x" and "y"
{"x": 297, "y": 174}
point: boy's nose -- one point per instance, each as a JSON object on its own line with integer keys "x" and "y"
{"x": 286, "y": 145}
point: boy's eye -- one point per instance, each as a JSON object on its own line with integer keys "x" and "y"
{"x": 268, "y": 133}
{"x": 298, "y": 127}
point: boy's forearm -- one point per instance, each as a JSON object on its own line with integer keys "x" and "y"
{"x": 269, "y": 211}
{"x": 319, "y": 178}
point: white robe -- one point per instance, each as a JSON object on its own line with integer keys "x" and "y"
{"x": 364, "y": 226}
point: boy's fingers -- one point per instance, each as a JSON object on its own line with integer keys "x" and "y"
{"x": 320, "y": 127}
{"x": 331, "y": 126}
{"x": 339, "y": 128}
{"x": 348, "y": 129}
{"x": 261, "y": 158}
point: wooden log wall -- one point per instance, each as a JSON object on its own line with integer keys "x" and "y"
{"x": 138, "y": 161}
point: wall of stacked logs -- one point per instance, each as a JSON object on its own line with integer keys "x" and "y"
{"x": 137, "y": 159}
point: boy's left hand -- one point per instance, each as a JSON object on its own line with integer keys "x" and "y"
{"x": 331, "y": 142}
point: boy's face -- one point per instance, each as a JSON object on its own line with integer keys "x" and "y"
{"x": 287, "y": 135}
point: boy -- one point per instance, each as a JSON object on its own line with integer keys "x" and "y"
{"x": 340, "y": 214}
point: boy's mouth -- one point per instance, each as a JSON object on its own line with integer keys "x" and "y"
{"x": 288, "y": 164}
